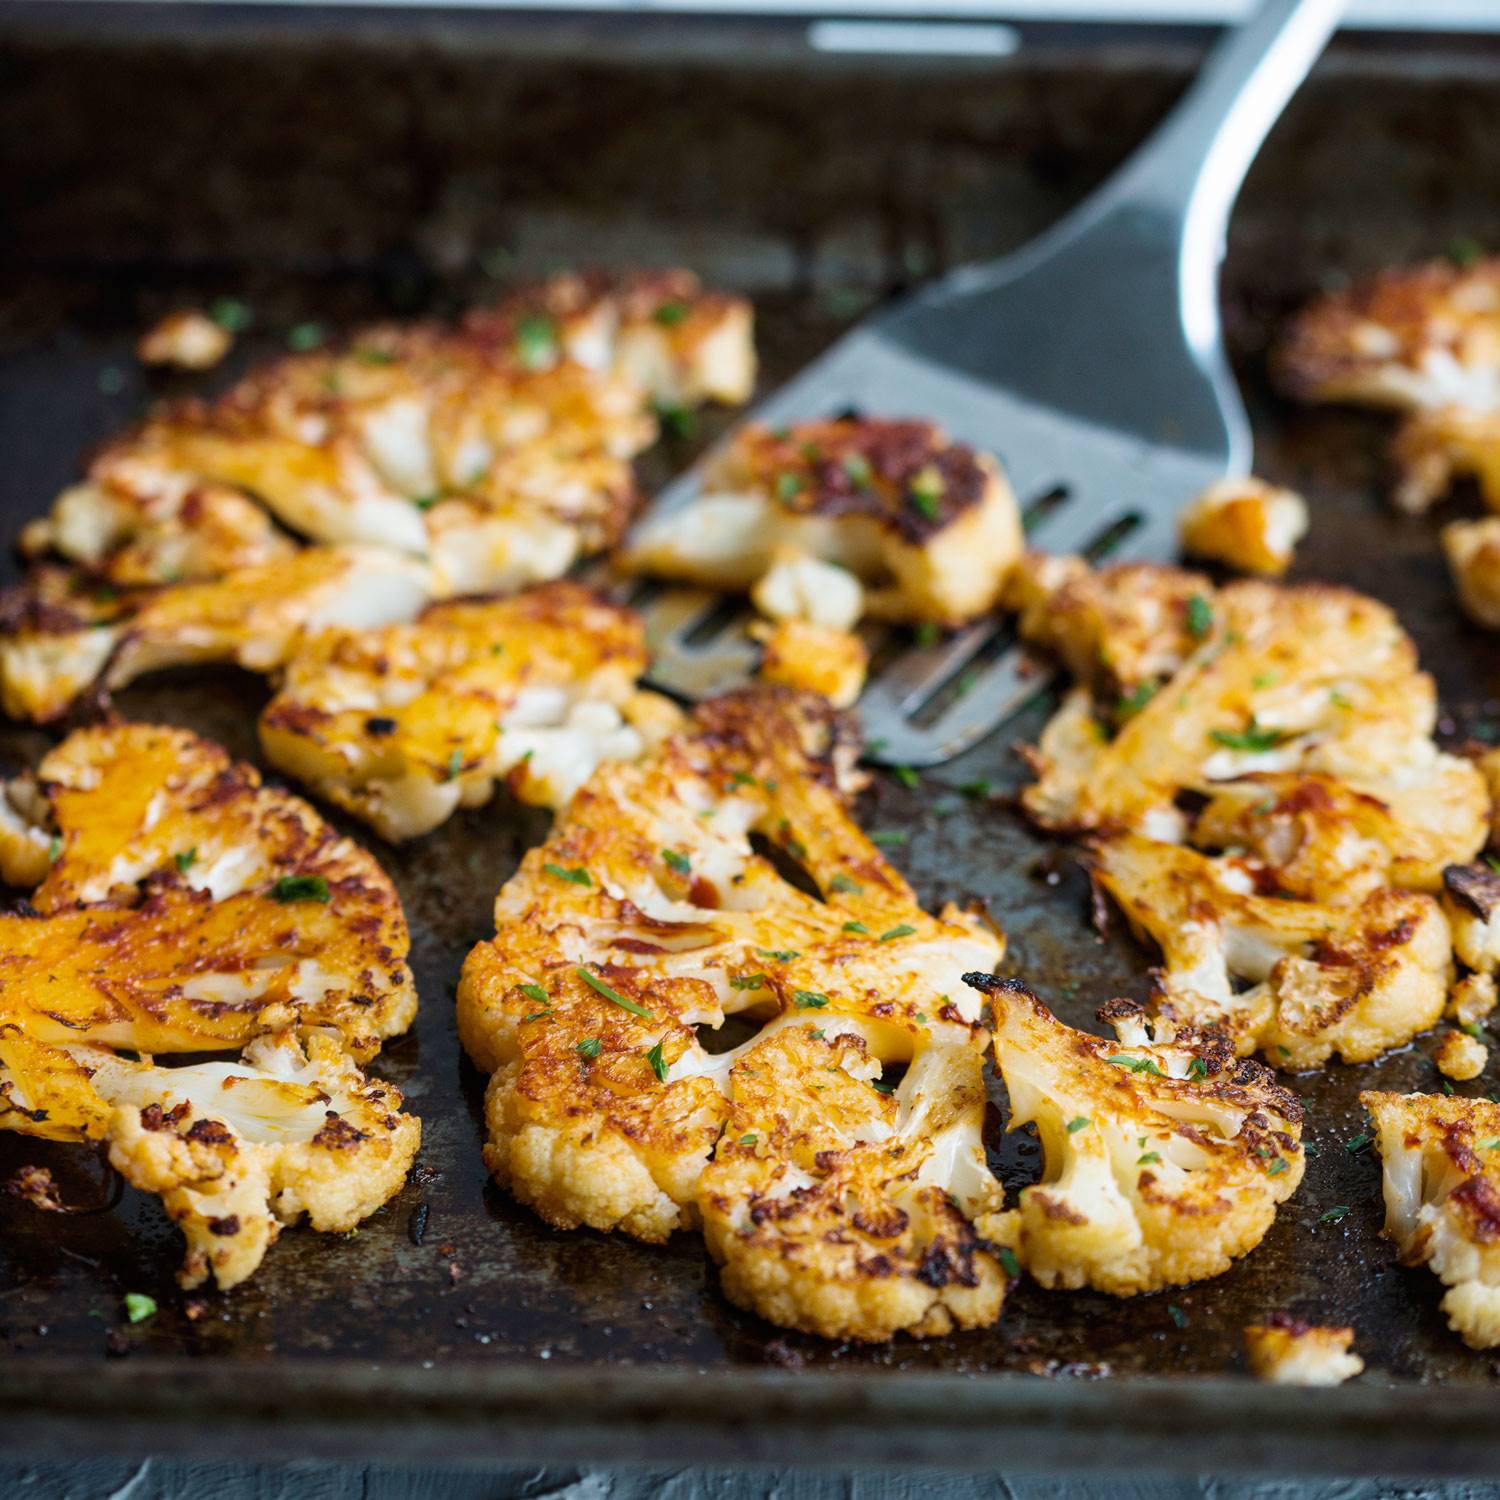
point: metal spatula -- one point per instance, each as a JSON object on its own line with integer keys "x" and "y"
{"x": 1090, "y": 361}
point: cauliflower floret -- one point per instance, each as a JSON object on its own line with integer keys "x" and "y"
{"x": 52, "y": 654}
{"x": 929, "y": 526}
{"x": 1460, "y": 1056}
{"x": 847, "y": 1212}
{"x": 798, "y": 586}
{"x": 1473, "y": 552}
{"x": 1162, "y": 1162}
{"x": 1352, "y": 980}
{"x": 658, "y": 329}
{"x": 1286, "y": 1351}
{"x": 237, "y": 1150}
{"x": 1472, "y": 998}
{"x": 1307, "y": 680}
{"x": 1413, "y": 338}
{"x": 188, "y": 907}
{"x": 401, "y": 726}
{"x": 813, "y": 658}
{"x": 1118, "y": 629}
{"x": 132, "y": 534}
{"x": 647, "y": 914}
{"x": 1433, "y": 449}
{"x": 1440, "y": 1165}
{"x": 187, "y": 338}
{"x": 1471, "y": 900}
{"x": 1246, "y": 524}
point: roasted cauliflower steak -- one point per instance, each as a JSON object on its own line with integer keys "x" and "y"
{"x": 1440, "y": 1170}
{"x": 927, "y": 525}
{"x": 402, "y": 725}
{"x": 1163, "y": 1162}
{"x": 182, "y": 907}
{"x": 499, "y": 450}
{"x": 662, "y": 903}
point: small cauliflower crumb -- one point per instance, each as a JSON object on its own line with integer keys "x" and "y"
{"x": 1461, "y": 1056}
{"x": 1286, "y": 1351}
{"x": 1432, "y": 449}
{"x": 1473, "y": 552}
{"x": 813, "y": 659}
{"x": 1247, "y": 524}
{"x": 1471, "y": 999}
{"x": 799, "y": 586}
{"x": 188, "y": 339}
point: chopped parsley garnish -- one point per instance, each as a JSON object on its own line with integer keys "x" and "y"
{"x": 809, "y": 1000}
{"x": 888, "y": 838}
{"x": 678, "y": 863}
{"x": 426, "y": 502}
{"x": 578, "y": 876}
{"x": 676, "y": 420}
{"x": 670, "y": 314}
{"x": 1200, "y": 617}
{"x": 788, "y": 485}
{"x": 1265, "y": 680}
{"x": 977, "y": 791}
{"x": 1340, "y": 700}
{"x": 747, "y": 982}
{"x": 613, "y": 996}
{"x": 1197, "y": 1068}
{"x": 907, "y": 777}
{"x": 858, "y": 927}
{"x": 781, "y": 955}
{"x": 1465, "y": 250}
{"x": 534, "y": 992}
{"x": 1134, "y": 1064}
{"x": 1008, "y": 1262}
{"x": 1129, "y": 706}
{"x": 1334, "y": 1214}
{"x": 1077, "y": 1123}
{"x": 742, "y": 778}
{"x": 925, "y": 634}
{"x": 904, "y": 930}
{"x": 925, "y": 491}
{"x": 882, "y": 1087}
{"x": 536, "y": 341}
{"x": 455, "y": 764}
{"x": 301, "y": 888}
{"x": 749, "y": 1138}
{"x": 1357, "y": 1143}
{"x": 658, "y": 1063}
{"x": 1253, "y": 738}
{"x": 966, "y": 682}
{"x": 857, "y": 467}
{"x": 1277, "y": 1167}
{"x": 1492, "y": 1144}
{"x": 1474, "y": 1029}
{"x": 590, "y": 1046}
{"x": 1148, "y": 1159}
{"x": 1493, "y": 862}
{"x": 925, "y": 504}
{"x": 54, "y": 848}
{"x": 232, "y": 315}
{"x": 842, "y": 882}
{"x": 1176, "y": 1314}
{"x": 305, "y": 336}
{"x": 369, "y": 356}
{"x": 185, "y": 859}
{"x": 139, "y": 1307}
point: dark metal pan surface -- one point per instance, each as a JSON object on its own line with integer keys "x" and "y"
{"x": 454, "y": 1323}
